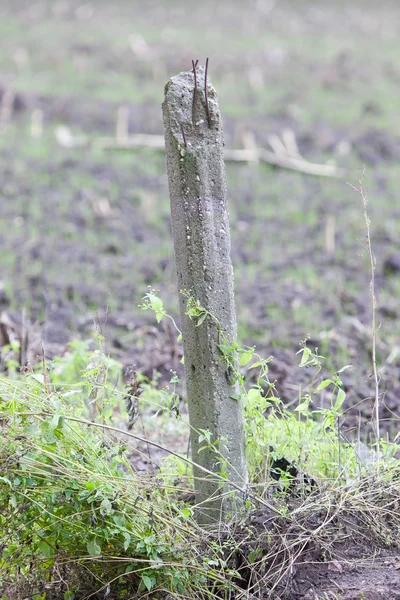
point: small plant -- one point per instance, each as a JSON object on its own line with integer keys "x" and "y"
{"x": 73, "y": 505}
{"x": 153, "y": 302}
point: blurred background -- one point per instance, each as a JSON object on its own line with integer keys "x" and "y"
{"x": 84, "y": 216}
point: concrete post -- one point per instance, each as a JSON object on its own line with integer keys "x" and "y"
{"x": 200, "y": 226}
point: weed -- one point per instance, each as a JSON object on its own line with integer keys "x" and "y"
{"x": 309, "y": 436}
{"x": 73, "y": 504}
{"x": 76, "y": 511}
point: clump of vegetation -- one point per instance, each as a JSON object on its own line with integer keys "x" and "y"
{"x": 79, "y": 519}
{"x": 74, "y": 510}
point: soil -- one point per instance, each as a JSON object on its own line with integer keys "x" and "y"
{"x": 336, "y": 553}
{"x": 83, "y": 230}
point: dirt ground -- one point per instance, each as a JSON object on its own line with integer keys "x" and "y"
{"x": 84, "y": 231}
{"x": 346, "y": 562}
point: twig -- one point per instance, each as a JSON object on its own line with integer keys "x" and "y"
{"x": 143, "y": 140}
{"x": 277, "y": 145}
{"x": 285, "y": 162}
{"x": 249, "y": 142}
{"x": 290, "y": 142}
{"x": 372, "y": 262}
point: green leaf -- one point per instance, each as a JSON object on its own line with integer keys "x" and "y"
{"x": 186, "y": 513}
{"x": 56, "y": 422}
{"x": 245, "y": 357}
{"x": 155, "y": 302}
{"x": 225, "y": 349}
{"x": 235, "y": 397}
{"x": 259, "y": 363}
{"x": 47, "y": 430}
{"x": 149, "y": 582}
{"x": 159, "y": 316}
{"x": 205, "y": 434}
{"x": 303, "y": 407}
{"x": 305, "y": 357}
{"x": 324, "y": 384}
{"x": 254, "y": 394}
{"x": 127, "y": 540}
{"x": 90, "y": 485}
{"x": 340, "y": 399}
{"x": 329, "y": 420}
{"x": 201, "y": 319}
{"x": 105, "y": 507}
{"x": 47, "y": 550}
{"x": 119, "y": 520}
{"x": 93, "y": 548}
{"x": 7, "y": 481}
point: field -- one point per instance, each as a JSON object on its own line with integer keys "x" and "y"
{"x": 85, "y": 230}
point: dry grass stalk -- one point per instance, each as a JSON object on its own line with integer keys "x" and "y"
{"x": 372, "y": 261}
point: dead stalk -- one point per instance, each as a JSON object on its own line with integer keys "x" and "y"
{"x": 372, "y": 261}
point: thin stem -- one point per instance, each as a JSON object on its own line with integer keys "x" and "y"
{"x": 372, "y": 261}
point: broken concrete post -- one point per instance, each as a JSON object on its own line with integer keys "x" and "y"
{"x": 200, "y": 226}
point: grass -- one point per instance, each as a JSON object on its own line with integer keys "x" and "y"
{"x": 74, "y": 61}
{"x": 56, "y": 66}
{"x": 78, "y": 518}
{"x": 90, "y": 229}
{"x": 131, "y": 248}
